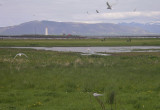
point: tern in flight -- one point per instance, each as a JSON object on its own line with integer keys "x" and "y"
{"x": 97, "y": 11}
{"x": 20, "y": 54}
{"x": 96, "y": 94}
{"x": 109, "y": 6}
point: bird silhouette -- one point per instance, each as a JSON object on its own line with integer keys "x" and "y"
{"x": 87, "y": 12}
{"x": 109, "y": 6}
{"x": 97, "y": 11}
{"x": 134, "y": 10}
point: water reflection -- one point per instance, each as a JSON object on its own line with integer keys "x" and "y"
{"x": 99, "y": 50}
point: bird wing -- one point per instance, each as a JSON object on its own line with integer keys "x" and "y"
{"x": 97, "y": 11}
{"x": 108, "y": 4}
{"x": 16, "y": 56}
{"x": 24, "y": 55}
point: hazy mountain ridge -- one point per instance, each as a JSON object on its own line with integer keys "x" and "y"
{"x": 150, "y": 27}
{"x": 59, "y": 28}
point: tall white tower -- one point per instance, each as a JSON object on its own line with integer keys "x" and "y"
{"x": 46, "y": 31}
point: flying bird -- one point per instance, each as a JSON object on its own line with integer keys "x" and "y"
{"x": 109, "y": 6}
{"x": 20, "y": 54}
{"x": 96, "y": 94}
{"x": 134, "y": 10}
{"x": 97, "y": 11}
{"x": 87, "y": 12}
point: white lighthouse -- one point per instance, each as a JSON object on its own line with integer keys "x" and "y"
{"x": 46, "y": 31}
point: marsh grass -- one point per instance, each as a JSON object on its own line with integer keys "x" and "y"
{"x": 79, "y": 42}
{"x": 49, "y": 80}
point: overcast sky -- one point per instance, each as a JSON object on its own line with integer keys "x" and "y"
{"x": 13, "y": 12}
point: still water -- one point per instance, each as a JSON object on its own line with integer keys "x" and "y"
{"x": 99, "y": 50}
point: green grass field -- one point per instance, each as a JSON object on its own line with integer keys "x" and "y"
{"x": 49, "y": 80}
{"x": 80, "y": 42}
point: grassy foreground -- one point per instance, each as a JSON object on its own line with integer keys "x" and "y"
{"x": 80, "y": 42}
{"x": 66, "y": 81}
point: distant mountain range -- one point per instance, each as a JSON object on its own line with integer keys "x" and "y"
{"x": 152, "y": 28}
{"x": 60, "y": 28}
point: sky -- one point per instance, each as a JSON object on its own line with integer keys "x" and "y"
{"x": 14, "y": 12}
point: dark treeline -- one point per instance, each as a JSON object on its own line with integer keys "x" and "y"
{"x": 41, "y": 37}
{"x": 72, "y": 36}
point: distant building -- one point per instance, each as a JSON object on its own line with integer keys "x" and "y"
{"x": 46, "y": 31}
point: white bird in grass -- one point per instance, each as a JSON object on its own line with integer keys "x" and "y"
{"x": 20, "y": 54}
{"x": 88, "y": 49}
{"x": 96, "y": 94}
